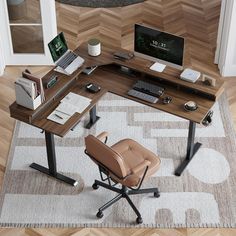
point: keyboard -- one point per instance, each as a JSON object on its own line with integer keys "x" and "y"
{"x": 148, "y": 88}
{"x": 67, "y": 60}
{"x": 143, "y": 96}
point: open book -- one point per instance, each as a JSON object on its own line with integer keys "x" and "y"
{"x": 69, "y": 105}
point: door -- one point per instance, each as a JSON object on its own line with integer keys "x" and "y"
{"x": 220, "y": 31}
{"x": 26, "y": 28}
{"x": 226, "y": 42}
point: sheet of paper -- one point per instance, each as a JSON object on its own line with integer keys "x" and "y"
{"x": 82, "y": 106}
{"x": 79, "y": 102}
{"x": 75, "y": 99}
{"x": 158, "y": 67}
{"x": 67, "y": 108}
{"x": 58, "y": 117}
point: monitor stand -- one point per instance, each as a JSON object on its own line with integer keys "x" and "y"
{"x": 158, "y": 67}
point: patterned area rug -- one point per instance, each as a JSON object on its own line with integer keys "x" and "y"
{"x": 100, "y": 3}
{"x": 204, "y": 196}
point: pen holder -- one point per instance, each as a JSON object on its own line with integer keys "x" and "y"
{"x": 23, "y": 99}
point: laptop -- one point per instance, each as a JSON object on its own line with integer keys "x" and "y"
{"x": 66, "y": 60}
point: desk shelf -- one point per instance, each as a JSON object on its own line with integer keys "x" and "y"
{"x": 110, "y": 78}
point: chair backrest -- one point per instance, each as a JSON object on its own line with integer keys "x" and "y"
{"x": 105, "y": 155}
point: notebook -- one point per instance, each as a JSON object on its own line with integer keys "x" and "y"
{"x": 68, "y": 106}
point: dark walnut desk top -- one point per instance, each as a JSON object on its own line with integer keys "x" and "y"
{"x": 110, "y": 78}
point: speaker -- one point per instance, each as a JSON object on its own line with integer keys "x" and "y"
{"x": 94, "y": 47}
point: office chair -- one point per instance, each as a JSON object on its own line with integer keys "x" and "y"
{"x": 126, "y": 163}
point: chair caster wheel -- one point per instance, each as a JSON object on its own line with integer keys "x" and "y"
{"x": 156, "y": 194}
{"x": 139, "y": 220}
{"x": 95, "y": 186}
{"x": 99, "y": 214}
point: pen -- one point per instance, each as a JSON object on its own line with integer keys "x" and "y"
{"x": 58, "y": 116}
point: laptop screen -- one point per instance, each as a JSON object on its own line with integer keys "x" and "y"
{"x": 58, "y": 46}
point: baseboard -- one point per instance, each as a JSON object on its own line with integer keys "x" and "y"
{"x": 2, "y": 66}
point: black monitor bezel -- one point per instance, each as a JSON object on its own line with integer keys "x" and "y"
{"x": 146, "y": 56}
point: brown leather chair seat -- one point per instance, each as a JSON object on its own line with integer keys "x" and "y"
{"x": 136, "y": 158}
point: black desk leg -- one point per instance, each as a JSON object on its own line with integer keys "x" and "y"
{"x": 52, "y": 166}
{"x": 93, "y": 117}
{"x": 192, "y": 148}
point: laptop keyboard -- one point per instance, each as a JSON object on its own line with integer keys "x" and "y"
{"x": 67, "y": 60}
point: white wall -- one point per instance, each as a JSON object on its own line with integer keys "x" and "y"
{"x": 2, "y": 61}
{"x": 226, "y": 51}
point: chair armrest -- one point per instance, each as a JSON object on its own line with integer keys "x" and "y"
{"x": 137, "y": 179}
{"x": 141, "y": 166}
{"x": 103, "y": 136}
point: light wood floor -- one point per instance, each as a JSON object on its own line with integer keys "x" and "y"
{"x": 196, "y": 20}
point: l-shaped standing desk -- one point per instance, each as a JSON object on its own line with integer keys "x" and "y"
{"x": 118, "y": 77}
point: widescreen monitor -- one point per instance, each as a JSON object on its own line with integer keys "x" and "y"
{"x": 159, "y": 46}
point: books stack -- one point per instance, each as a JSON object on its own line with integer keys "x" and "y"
{"x": 29, "y": 91}
{"x": 68, "y": 106}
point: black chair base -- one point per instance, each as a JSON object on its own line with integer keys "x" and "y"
{"x": 124, "y": 192}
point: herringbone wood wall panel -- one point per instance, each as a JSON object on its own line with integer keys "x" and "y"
{"x": 196, "y": 20}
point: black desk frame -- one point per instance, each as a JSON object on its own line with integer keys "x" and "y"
{"x": 192, "y": 148}
{"x": 51, "y": 153}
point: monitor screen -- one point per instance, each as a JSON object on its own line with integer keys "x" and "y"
{"x": 159, "y": 45}
{"x": 58, "y": 46}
